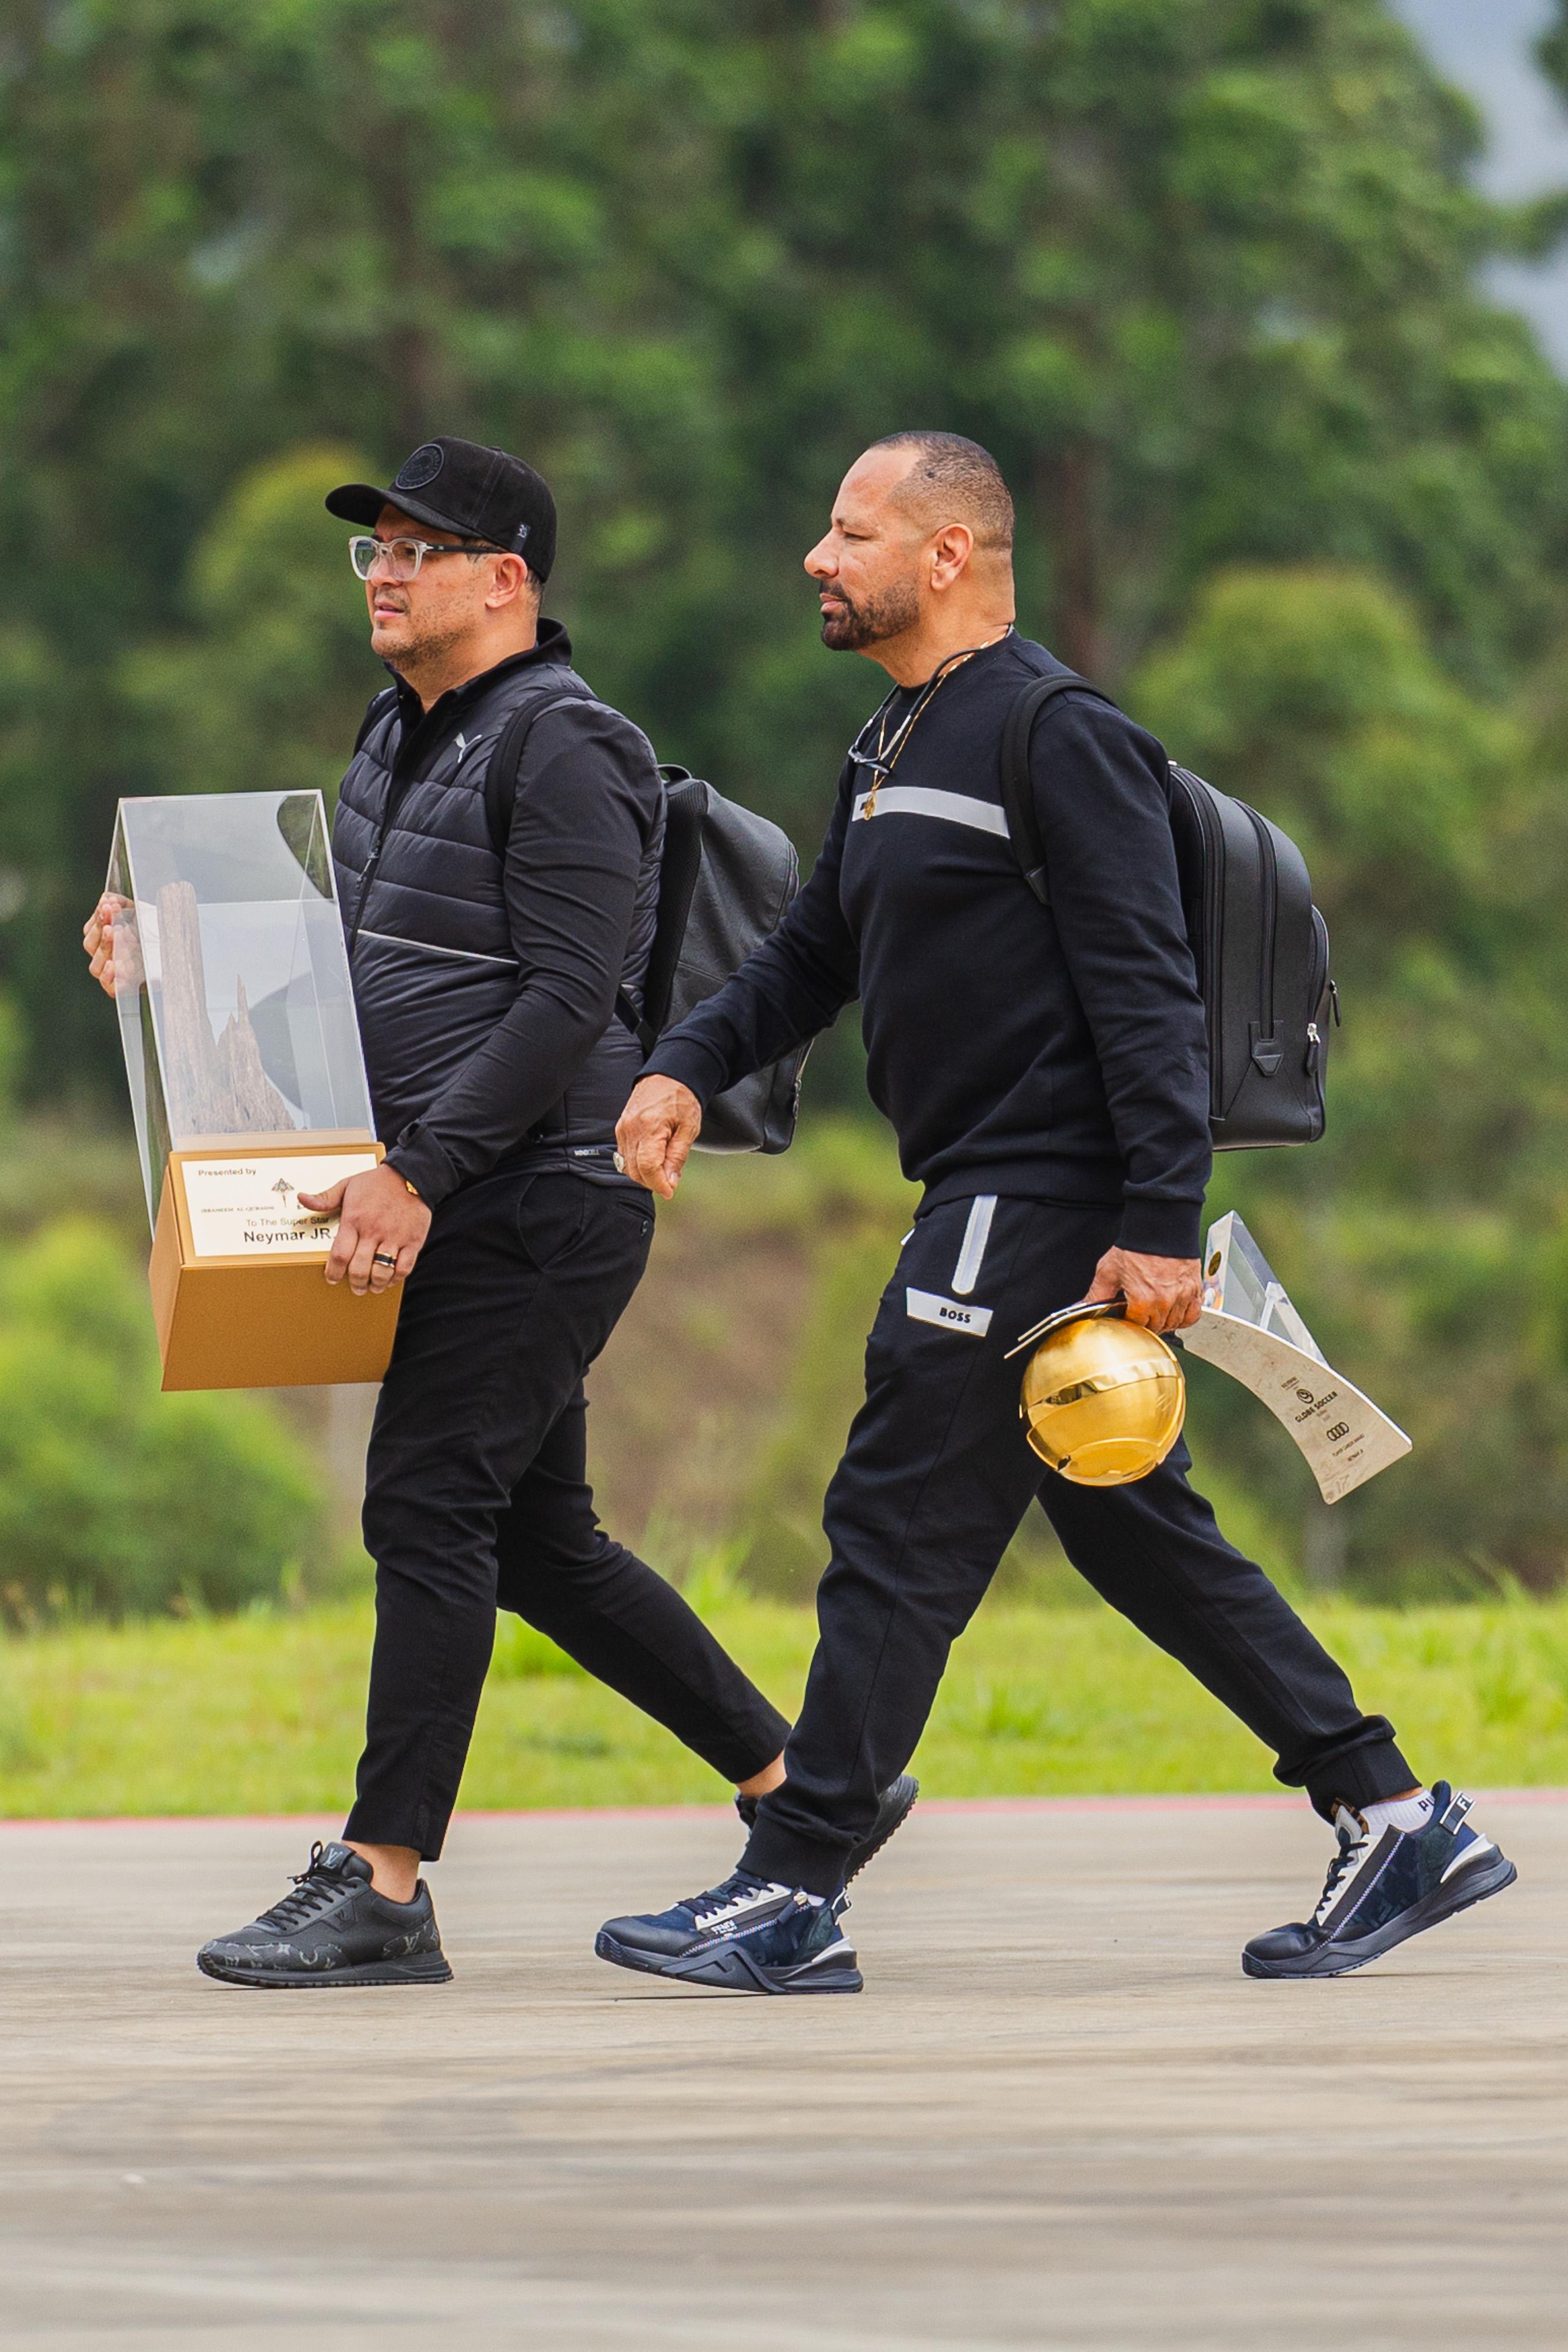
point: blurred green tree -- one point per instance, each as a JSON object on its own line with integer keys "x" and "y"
{"x": 229, "y": 236}
{"x": 263, "y": 688}
{"x": 115, "y": 1500}
{"x": 1202, "y": 274}
{"x": 1201, "y": 271}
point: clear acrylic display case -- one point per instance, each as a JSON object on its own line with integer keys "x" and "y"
{"x": 236, "y": 1009}
{"x": 247, "y": 1086}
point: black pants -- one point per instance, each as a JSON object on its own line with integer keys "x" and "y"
{"x": 476, "y": 1497}
{"x": 937, "y": 1476}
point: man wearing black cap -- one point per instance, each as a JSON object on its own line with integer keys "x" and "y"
{"x": 496, "y": 845}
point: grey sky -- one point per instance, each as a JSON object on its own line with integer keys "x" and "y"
{"x": 1484, "y": 47}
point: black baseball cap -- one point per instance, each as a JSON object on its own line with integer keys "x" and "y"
{"x": 459, "y": 486}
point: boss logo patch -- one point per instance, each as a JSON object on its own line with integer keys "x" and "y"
{"x": 947, "y": 1314}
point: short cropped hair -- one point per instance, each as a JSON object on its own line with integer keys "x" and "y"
{"x": 955, "y": 480}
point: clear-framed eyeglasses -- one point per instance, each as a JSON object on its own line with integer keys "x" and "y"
{"x": 402, "y": 557}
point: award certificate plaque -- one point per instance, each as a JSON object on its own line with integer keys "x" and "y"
{"x": 247, "y": 1086}
{"x": 1249, "y": 1329}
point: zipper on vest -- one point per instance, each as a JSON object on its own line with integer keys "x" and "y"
{"x": 397, "y": 788}
{"x": 366, "y": 878}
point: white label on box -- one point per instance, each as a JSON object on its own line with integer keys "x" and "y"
{"x": 250, "y": 1208}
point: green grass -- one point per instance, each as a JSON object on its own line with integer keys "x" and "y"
{"x": 263, "y": 1713}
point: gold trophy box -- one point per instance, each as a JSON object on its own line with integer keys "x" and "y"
{"x": 262, "y": 1314}
{"x": 247, "y": 1086}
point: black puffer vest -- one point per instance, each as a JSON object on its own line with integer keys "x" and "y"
{"x": 430, "y": 950}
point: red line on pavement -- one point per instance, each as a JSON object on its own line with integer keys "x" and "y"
{"x": 1227, "y": 1802}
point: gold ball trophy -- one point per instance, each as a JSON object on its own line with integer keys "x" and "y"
{"x": 247, "y": 1086}
{"x": 1104, "y": 1399}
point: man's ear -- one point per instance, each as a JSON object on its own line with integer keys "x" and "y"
{"x": 950, "y": 552}
{"x": 510, "y": 579}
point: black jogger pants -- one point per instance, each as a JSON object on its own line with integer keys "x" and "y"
{"x": 476, "y": 1497}
{"x": 935, "y": 1480}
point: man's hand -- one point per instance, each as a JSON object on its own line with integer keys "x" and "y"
{"x": 378, "y": 1217}
{"x": 111, "y": 946}
{"x": 1162, "y": 1294}
{"x": 656, "y": 1131}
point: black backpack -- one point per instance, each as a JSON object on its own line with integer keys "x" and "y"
{"x": 1261, "y": 946}
{"x": 725, "y": 878}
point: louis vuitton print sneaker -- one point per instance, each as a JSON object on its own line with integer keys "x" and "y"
{"x": 333, "y": 1929}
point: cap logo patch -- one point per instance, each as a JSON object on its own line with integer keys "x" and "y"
{"x": 520, "y": 537}
{"x": 422, "y": 468}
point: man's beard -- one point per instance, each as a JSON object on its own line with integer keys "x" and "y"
{"x": 871, "y": 624}
{"x": 420, "y": 643}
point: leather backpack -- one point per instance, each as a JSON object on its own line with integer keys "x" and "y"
{"x": 725, "y": 878}
{"x": 1261, "y": 946}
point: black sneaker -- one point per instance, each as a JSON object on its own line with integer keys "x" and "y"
{"x": 894, "y": 1809}
{"x": 1381, "y": 1889}
{"x": 748, "y": 1936}
{"x": 334, "y": 1930}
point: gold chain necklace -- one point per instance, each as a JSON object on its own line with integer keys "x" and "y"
{"x": 883, "y": 762}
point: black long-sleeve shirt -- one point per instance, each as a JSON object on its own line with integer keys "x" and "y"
{"x": 1051, "y": 1053}
{"x": 485, "y": 986}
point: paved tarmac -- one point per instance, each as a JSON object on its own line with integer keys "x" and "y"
{"x": 1057, "y": 2117}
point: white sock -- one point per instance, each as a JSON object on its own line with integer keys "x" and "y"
{"x": 1398, "y": 1813}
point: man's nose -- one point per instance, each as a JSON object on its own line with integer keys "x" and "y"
{"x": 819, "y": 563}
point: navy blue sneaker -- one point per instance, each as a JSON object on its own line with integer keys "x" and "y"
{"x": 748, "y": 1935}
{"x": 894, "y": 1809}
{"x": 1380, "y": 1890}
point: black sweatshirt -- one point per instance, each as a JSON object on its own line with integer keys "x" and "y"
{"x": 1049, "y": 1053}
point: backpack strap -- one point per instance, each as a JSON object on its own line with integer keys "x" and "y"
{"x": 686, "y": 806}
{"x": 686, "y": 809}
{"x": 381, "y": 708}
{"x": 502, "y": 778}
{"x": 504, "y": 774}
{"x": 1017, "y": 785}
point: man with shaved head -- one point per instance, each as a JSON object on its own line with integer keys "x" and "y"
{"x": 1045, "y": 1068}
